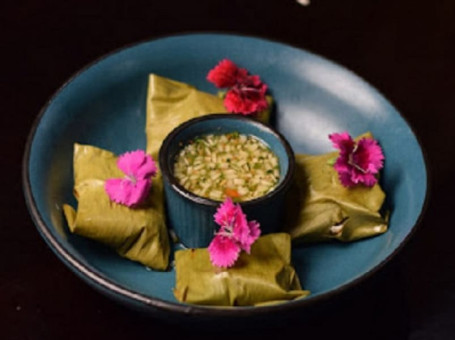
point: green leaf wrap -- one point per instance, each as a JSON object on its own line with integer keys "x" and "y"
{"x": 264, "y": 276}
{"x": 138, "y": 234}
{"x": 320, "y": 208}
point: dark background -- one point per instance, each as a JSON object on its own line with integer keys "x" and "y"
{"x": 403, "y": 48}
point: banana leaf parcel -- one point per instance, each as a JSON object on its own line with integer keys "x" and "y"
{"x": 138, "y": 234}
{"x": 320, "y": 208}
{"x": 264, "y": 276}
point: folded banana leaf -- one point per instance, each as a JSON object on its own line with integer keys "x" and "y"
{"x": 264, "y": 276}
{"x": 320, "y": 208}
{"x": 170, "y": 103}
{"x": 139, "y": 233}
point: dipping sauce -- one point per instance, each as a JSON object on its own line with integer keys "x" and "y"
{"x": 228, "y": 165}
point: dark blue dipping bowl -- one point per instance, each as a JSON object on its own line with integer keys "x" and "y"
{"x": 190, "y": 215}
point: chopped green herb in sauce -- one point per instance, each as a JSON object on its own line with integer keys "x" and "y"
{"x": 229, "y": 165}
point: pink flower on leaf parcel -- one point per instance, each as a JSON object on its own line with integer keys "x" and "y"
{"x": 235, "y": 234}
{"x": 133, "y": 189}
{"x": 358, "y": 162}
{"x": 226, "y": 74}
{"x": 245, "y": 94}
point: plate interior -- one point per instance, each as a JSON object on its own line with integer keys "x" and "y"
{"x": 104, "y": 105}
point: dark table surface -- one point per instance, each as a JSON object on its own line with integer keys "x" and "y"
{"x": 406, "y": 49}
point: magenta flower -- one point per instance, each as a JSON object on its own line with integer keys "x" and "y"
{"x": 358, "y": 162}
{"x": 235, "y": 234}
{"x": 245, "y": 93}
{"x": 226, "y": 74}
{"x": 246, "y": 98}
{"x": 133, "y": 189}
{"x": 224, "y": 251}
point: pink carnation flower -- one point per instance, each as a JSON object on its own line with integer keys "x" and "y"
{"x": 246, "y": 99}
{"x": 133, "y": 189}
{"x": 137, "y": 164}
{"x": 226, "y": 74}
{"x": 235, "y": 234}
{"x": 127, "y": 191}
{"x": 224, "y": 251}
{"x": 357, "y": 162}
{"x": 245, "y": 94}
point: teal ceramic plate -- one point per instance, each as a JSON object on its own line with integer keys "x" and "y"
{"x": 104, "y": 105}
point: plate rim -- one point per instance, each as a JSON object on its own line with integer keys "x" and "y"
{"x": 101, "y": 282}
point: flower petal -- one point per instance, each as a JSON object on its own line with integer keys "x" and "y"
{"x": 253, "y": 235}
{"x": 124, "y": 191}
{"x": 254, "y": 81}
{"x": 225, "y": 214}
{"x": 241, "y": 230}
{"x": 245, "y": 94}
{"x": 235, "y": 234}
{"x": 137, "y": 164}
{"x": 343, "y": 142}
{"x": 255, "y": 230}
{"x": 223, "y": 251}
{"x": 226, "y": 74}
{"x": 244, "y": 101}
{"x": 369, "y": 179}
{"x": 357, "y": 163}
{"x": 368, "y": 155}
